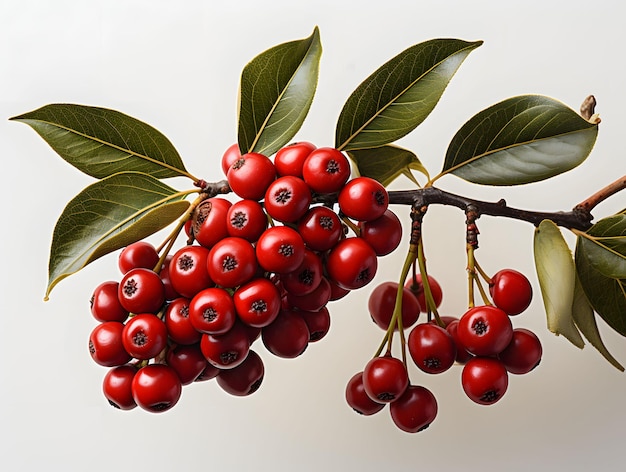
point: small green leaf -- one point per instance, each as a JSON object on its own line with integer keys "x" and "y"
{"x": 585, "y": 320}
{"x": 102, "y": 142}
{"x": 520, "y": 140}
{"x": 557, "y": 277}
{"x": 399, "y": 96}
{"x": 599, "y": 262}
{"x": 386, "y": 163}
{"x": 108, "y": 215}
{"x": 276, "y": 92}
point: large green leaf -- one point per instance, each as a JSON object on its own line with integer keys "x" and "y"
{"x": 276, "y": 92}
{"x": 520, "y": 140}
{"x": 557, "y": 277}
{"x": 108, "y": 215}
{"x": 585, "y": 320}
{"x": 400, "y": 94}
{"x": 599, "y": 262}
{"x": 102, "y": 142}
{"x": 385, "y": 163}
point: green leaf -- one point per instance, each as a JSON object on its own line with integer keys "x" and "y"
{"x": 585, "y": 320}
{"x": 386, "y": 163}
{"x": 520, "y": 140}
{"x": 557, "y": 277}
{"x": 599, "y": 265}
{"x": 398, "y": 96}
{"x": 276, "y": 92}
{"x": 108, "y": 215}
{"x": 102, "y": 142}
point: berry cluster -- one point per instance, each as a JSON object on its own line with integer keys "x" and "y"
{"x": 262, "y": 267}
{"x": 483, "y": 340}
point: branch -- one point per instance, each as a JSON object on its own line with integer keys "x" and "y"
{"x": 601, "y": 195}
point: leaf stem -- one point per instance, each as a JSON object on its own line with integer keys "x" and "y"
{"x": 601, "y": 195}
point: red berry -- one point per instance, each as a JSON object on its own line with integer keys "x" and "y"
{"x": 523, "y": 353}
{"x": 227, "y": 350}
{"x": 415, "y": 410}
{"x": 250, "y": 175}
{"x": 306, "y": 277}
{"x": 320, "y": 228}
{"x": 432, "y": 348}
{"x": 289, "y": 160}
{"x": 164, "y": 273}
{"x": 257, "y": 303}
{"x": 383, "y": 234}
{"x": 178, "y": 324}
{"x": 358, "y": 399}
{"x": 105, "y": 305}
{"x": 318, "y": 323}
{"x": 511, "y": 291}
{"x": 287, "y": 336}
{"x": 188, "y": 270}
{"x": 106, "y": 346}
{"x": 313, "y": 301}
{"x": 212, "y": 311}
{"x": 326, "y": 170}
{"x": 116, "y": 387}
{"x": 245, "y": 379}
{"x": 229, "y": 157}
{"x": 144, "y": 336}
{"x": 484, "y": 380}
{"x": 280, "y": 249}
{"x": 385, "y": 379}
{"x": 210, "y": 221}
{"x": 140, "y": 254}
{"x": 462, "y": 356}
{"x": 156, "y": 388}
{"x": 352, "y": 263}
{"x": 485, "y": 330}
{"x": 141, "y": 291}
{"x": 287, "y": 199}
{"x": 232, "y": 262}
{"x": 246, "y": 219}
{"x": 188, "y": 362}
{"x": 363, "y": 199}
{"x": 382, "y": 301}
{"x": 417, "y": 287}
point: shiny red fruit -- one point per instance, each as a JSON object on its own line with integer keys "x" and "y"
{"x": 417, "y": 287}
{"x": 156, "y": 388}
{"x": 245, "y": 379}
{"x": 382, "y": 301}
{"x": 138, "y": 254}
{"x": 485, "y": 330}
{"x": 363, "y": 199}
{"x": 511, "y": 291}
{"x": 385, "y": 379}
{"x": 289, "y": 160}
{"x": 326, "y": 170}
{"x": 352, "y": 263}
{"x": 250, "y": 175}
{"x": 415, "y": 410}
{"x": 484, "y": 380}
{"x": 383, "y": 234}
{"x": 117, "y": 387}
{"x": 432, "y": 348}
{"x": 358, "y": 399}
{"x": 523, "y": 353}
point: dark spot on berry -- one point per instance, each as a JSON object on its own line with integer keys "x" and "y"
{"x": 228, "y": 357}
{"x": 358, "y": 411}
{"x": 92, "y": 348}
{"x": 185, "y": 262}
{"x": 432, "y": 363}
{"x": 130, "y": 287}
{"x": 209, "y": 314}
{"x": 140, "y": 338}
{"x": 114, "y": 405}
{"x": 202, "y": 213}
{"x": 229, "y": 263}
{"x": 184, "y": 311}
{"x": 306, "y": 277}
{"x": 259, "y": 306}
{"x": 379, "y": 197}
{"x": 316, "y": 336}
{"x": 364, "y": 276}
{"x": 386, "y": 397}
{"x": 490, "y": 396}
{"x": 282, "y": 195}
{"x": 423, "y": 427}
{"x": 160, "y": 406}
{"x": 332, "y": 167}
{"x": 239, "y": 220}
{"x": 286, "y": 250}
{"x": 326, "y": 222}
{"x": 255, "y": 386}
{"x": 91, "y": 300}
{"x": 239, "y": 163}
{"x": 480, "y": 327}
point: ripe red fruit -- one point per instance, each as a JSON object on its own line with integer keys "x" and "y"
{"x": 141, "y": 291}
{"x": 289, "y": 160}
{"x": 382, "y": 301}
{"x": 138, "y": 254}
{"x": 306, "y": 277}
{"x": 287, "y": 199}
{"x": 188, "y": 270}
{"x": 352, "y": 263}
{"x": 385, "y": 379}
{"x": 287, "y": 336}
{"x": 212, "y": 311}
{"x": 523, "y": 353}
{"x": 485, "y": 330}
{"x": 164, "y": 273}
{"x": 105, "y": 305}
{"x": 363, "y": 199}
{"x": 246, "y": 219}
{"x": 484, "y": 380}
{"x": 313, "y": 301}
{"x": 280, "y": 249}
{"x": 156, "y": 388}
{"x": 188, "y": 362}
{"x": 245, "y": 379}
{"x": 209, "y": 221}
{"x": 415, "y": 410}
{"x": 383, "y": 234}
{"x": 227, "y": 350}
{"x": 417, "y": 287}
{"x": 144, "y": 336}
{"x": 257, "y": 303}
{"x": 462, "y": 356}
{"x": 178, "y": 324}
{"x": 105, "y": 344}
{"x": 229, "y": 157}
{"x": 432, "y": 348}
{"x": 511, "y": 291}
{"x": 358, "y": 399}
{"x": 116, "y": 387}
{"x": 232, "y": 262}
{"x": 326, "y": 170}
{"x": 318, "y": 323}
{"x": 320, "y": 228}
{"x": 250, "y": 175}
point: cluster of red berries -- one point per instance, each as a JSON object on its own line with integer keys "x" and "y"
{"x": 263, "y": 267}
{"x": 483, "y": 340}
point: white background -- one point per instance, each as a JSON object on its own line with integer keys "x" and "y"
{"x": 176, "y": 66}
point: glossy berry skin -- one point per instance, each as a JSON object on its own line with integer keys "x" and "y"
{"x": 306, "y": 277}
{"x": 144, "y": 336}
{"x": 106, "y": 346}
{"x": 250, "y": 175}
{"x": 511, "y": 291}
{"x": 228, "y": 350}
{"x": 289, "y": 160}
{"x": 432, "y": 348}
{"x": 485, "y": 330}
{"x": 246, "y": 219}
{"x": 385, "y": 379}
{"x": 358, "y": 399}
{"x": 352, "y": 263}
{"x": 179, "y": 326}
{"x": 245, "y": 379}
{"x": 523, "y": 353}
{"x": 462, "y": 355}
{"x": 141, "y": 291}
{"x": 313, "y": 301}
{"x": 232, "y": 262}
{"x": 164, "y": 273}
{"x": 320, "y": 228}
{"x": 188, "y": 362}
{"x": 138, "y": 254}
{"x": 188, "y": 270}
{"x": 417, "y": 287}
{"x": 382, "y": 301}
{"x": 484, "y": 380}
{"x": 287, "y": 336}
{"x": 326, "y": 170}
{"x": 415, "y": 410}
{"x": 318, "y": 323}
{"x": 287, "y": 199}
{"x": 257, "y": 303}
{"x": 105, "y": 305}
{"x": 383, "y": 234}
{"x": 280, "y": 249}
{"x": 229, "y": 157}
{"x": 212, "y": 311}
{"x": 363, "y": 199}
{"x": 116, "y": 387}
{"x": 209, "y": 372}
{"x": 209, "y": 222}
{"x": 156, "y": 388}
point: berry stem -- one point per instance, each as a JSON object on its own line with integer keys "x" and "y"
{"x": 431, "y": 306}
